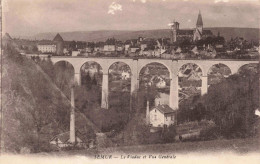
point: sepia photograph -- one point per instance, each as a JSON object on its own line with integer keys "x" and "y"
{"x": 130, "y": 80}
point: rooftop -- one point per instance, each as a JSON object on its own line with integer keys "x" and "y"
{"x": 165, "y": 109}
{"x": 64, "y": 137}
{"x": 58, "y": 38}
{"x": 199, "y": 20}
{"x": 7, "y": 37}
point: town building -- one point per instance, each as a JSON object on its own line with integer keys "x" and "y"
{"x": 161, "y": 83}
{"x": 162, "y": 115}
{"x": 58, "y": 41}
{"x": 7, "y": 40}
{"x": 110, "y": 46}
{"x": 125, "y": 75}
{"x": 46, "y": 47}
{"x": 127, "y": 45}
{"x": 192, "y": 35}
{"x": 54, "y": 47}
{"x": 99, "y": 47}
{"x": 75, "y": 53}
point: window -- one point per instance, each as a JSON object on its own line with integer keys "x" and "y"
{"x": 166, "y": 118}
{"x": 155, "y": 117}
{"x": 172, "y": 117}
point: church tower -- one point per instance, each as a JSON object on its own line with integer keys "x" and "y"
{"x": 59, "y": 44}
{"x": 199, "y": 28}
{"x": 199, "y": 24}
{"x": 174, "y": 30}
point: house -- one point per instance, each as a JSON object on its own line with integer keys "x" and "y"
{"x": 75, "y": 53}
{"x": 195, "y": 50}
{"x": 63, "y": 140}
{"x": 66, "y": 51}
{"x": 162, "y": 115}
{"x": 178, "y": 50}
{"x": 163, "y": 43}
{"x": 146, "y": 52}
{"x": 89, "y": 49}
{"x": 99, "y": 47}
{"x": 134, "y": 49}
{"x": 110, "y": 46}
{"x": 46, "y": 47}
{"x": 143, "y": 44}
{"x": 125, "y": 75}
{"x": 127, "y": 45}
{"x": 166, "y": 56}
{"x": 161, "y": 83}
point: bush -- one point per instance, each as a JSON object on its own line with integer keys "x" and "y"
{"x": 168, "y": 135}
{"x": 209, "y": 133}
{"x": 230, "y": 104}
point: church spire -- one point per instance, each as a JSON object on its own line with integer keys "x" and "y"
{"x": 199, "y": 20}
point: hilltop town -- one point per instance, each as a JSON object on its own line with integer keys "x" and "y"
{"x": 196, "y": 43}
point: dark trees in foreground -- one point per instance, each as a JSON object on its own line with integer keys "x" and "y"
{"x": 230, "y": 104}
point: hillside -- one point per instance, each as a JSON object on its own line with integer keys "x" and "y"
{"x": 34, "y": 108}
{"x": 227, "y": 32}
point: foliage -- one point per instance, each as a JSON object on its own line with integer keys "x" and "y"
{"x": 64, "y": 74}
{"x": 33, "y": 111}
{"x": 140, "y": 97}
{"x": 211, "y": 41}
{"x": 169, "y": 134}
{"x": 209, "y": 133}
{"x": 230, "y": 104}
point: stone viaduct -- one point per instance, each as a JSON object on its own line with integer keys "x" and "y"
{"x": 137, "y": 64}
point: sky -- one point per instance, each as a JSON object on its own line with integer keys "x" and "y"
{"x": 29, "y": 17}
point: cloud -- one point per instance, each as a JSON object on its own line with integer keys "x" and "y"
{"x": 114, "y": 7}
{"x": 216, "y": 1}
{"x": 143, "y": 1}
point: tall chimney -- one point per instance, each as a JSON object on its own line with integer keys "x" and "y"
{"x": 147, "y": 113}
{"x": 72, "y": 117}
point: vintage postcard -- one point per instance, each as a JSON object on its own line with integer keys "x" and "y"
{"x": 169, "y": 81}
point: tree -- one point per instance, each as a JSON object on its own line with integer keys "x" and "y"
{"x": 144, "y": 94}
{"x": 94, "y": 81}
{"x": 230, "y": 104}
{"x": 64, "y": 74}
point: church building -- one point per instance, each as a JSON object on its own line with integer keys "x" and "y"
{"x": 191, "y": 35}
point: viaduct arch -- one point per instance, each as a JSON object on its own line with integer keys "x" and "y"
{"x": 136, "y": 65}
{"x": 107, "y": 85}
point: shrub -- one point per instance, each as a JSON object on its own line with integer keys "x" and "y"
{"x": 168, "y": 135}
{"x": 210, "y": 133}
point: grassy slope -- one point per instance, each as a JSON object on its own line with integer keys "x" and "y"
{"x": 80, "y": 117}
{"x": 21, "y": 73}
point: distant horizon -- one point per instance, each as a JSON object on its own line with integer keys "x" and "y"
{"x": 101, "y": 30}
{"x": 30, "y": 17}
